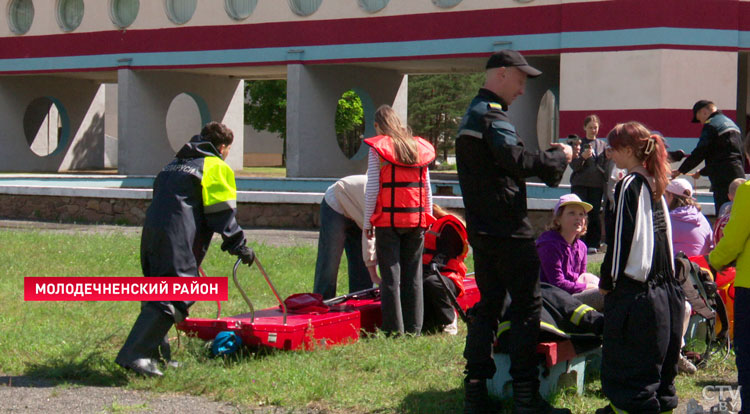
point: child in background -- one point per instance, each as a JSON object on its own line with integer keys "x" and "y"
{"x": 691, "y": 231}
{"x": 726, "y": 209}
{"x": 398, "y": 203}
{"x": 643, "y": 304}
{"x": 563, "y": 254}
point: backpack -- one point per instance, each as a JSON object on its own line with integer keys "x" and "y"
{"x": 701, "y": 292}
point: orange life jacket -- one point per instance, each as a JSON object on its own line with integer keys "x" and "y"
{"x": 402, "y": 197}
{"x": 454, "y": 269}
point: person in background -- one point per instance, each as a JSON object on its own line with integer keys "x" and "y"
{"x": 575, "y": 144}
{"x": 195, "y": 196}
{"x": 398, "y": 206}
{"x": 563, "y": 254}
{"x": 720, "y": 146}
{"x": 614, "y": 175}
{"x": 691, "y": 231}
{"x": 644, "y": 303}
{"x": 726, "y": 210}
{"x": 735, "y": 247}
{"x": 445, "y": 248}
{"x": 588, "y": 178}
{"x": 692, "y": 235}
{"x": 493, "y": 165}
{"x": 341, "y": 223}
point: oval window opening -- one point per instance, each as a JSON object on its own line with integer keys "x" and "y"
{"x": 350, "y": 123}
{"x": 184, "y": 120}
{"x": 45, "y": 126}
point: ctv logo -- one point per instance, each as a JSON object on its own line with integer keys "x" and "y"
{"x": 722, "y": 399}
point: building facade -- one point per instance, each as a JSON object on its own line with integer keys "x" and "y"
{"x": 89, "y": 84}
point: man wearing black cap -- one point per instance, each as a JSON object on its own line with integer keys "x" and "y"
{"x": 720, "y": 146}
{"x": 492, "y": 167}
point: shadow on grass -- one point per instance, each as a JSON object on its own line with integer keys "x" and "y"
{"x": 432, "y": 401}
{"x": 93, "y": 369}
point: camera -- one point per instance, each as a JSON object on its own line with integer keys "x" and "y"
{"x": 586, "y": 146}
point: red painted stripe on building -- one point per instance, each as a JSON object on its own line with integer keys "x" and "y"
{"x": 670, "y": 122}
{"x": 588, "y": 16}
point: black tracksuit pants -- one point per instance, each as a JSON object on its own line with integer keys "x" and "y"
{"x": 504, "y": 265}
{"x": 438, "y": 308}
{"x": 642, "y": 332}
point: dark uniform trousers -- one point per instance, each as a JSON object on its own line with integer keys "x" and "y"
{"x": 642, "y": 339}
{"x": 504, "y": 265}
{"x": 399, "y": 252}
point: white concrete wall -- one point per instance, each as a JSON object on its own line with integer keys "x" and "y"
{"x": 83, "y": 103}
{"x": 312, "y": 97}
{"x": 152, "y": 13}
{"x": 647, "y": 79}
{"x": 144, "y": 100}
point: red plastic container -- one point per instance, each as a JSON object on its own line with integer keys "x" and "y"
{"x": 341, "y": 325}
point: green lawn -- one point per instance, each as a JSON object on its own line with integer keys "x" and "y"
{"x": 262, "y": 172}
{"x": 77, "y": 341}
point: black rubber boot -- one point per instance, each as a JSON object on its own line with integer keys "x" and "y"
{"x": 144, "y": 340}
{"x": 526, "y": 400}
{"x": 477, "y": 400}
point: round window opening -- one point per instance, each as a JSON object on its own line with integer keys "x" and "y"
{"x": 350, "y": 123}
{"x": 185, "y": 117}
{"x": 124, "y": 12}
{"x": 180, "y": 11}
{"x": 20, "y": 16}
{"x": 46, "y": 126}
{"x": 69, "y": 14}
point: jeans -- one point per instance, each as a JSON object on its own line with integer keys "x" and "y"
{"x": 338, "y": 234}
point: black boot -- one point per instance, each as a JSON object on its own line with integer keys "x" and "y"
{"x": 526, "y": 400}
{"x": 164, "y": 354}
{"x": 477, "y": 400}
{"x": 144, "y": 340}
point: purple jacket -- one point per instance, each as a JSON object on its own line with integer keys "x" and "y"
{"x": 561, "y": 263}
{"x": 691, "y": 232}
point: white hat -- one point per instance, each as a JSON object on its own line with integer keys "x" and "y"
{"x": 572, "y": 199}
{"x": 680, "y": 187}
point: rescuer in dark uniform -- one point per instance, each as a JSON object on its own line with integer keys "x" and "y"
{"x": 194, "y": 197}
{"x": 492, "y": 167}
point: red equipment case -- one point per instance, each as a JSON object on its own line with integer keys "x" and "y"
{"x": 276, "y": 328}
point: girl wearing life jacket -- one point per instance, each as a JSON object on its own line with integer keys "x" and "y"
{"x": 398, "y": 205}
{"x": 446, "y": 245}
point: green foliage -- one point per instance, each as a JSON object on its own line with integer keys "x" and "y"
{"x": 436, "y": 105}
{"x": 266, "y": 109}
{"x": 350, "y": 127}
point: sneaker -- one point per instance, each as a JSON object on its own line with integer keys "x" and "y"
{"x": 452, "y": 328}
{"x": 592, "y": 250}
{"x": 685, "y": 366}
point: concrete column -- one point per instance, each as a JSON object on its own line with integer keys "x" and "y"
{"x": 78, "y": 114}
{"x": 143, "y": 102}
{"x": 312, "y": 96}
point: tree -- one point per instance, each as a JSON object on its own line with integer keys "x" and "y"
{"x": 350, "y": 126}
{"x": 265, "y": 108}
{"x": 437, "y": 103}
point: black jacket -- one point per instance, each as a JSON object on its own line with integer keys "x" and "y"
{"x": 493, "y": 165}
{"x": 194, "y": 197}
{"x": 720, "y": 146}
